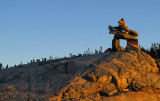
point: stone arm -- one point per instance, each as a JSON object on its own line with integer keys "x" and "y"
{"x": 118, "y": 28}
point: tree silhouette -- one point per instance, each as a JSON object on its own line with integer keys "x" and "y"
{"x": 7, "y": 66}
{"x": 0, "y": 65}
{"x": 154, "y": 50}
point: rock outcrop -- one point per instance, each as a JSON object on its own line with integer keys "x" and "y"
{"x": 113, "y": 76}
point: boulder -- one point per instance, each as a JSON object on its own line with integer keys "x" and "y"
{"x": 109, "y": 90}
{"x": 85, "y": 78}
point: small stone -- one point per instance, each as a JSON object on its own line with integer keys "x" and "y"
{"x": 108, "y": 93}
{"x": 108, "y": 50}
{"x": 125, "y": 90}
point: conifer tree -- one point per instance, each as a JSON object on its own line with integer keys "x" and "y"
{"x": 0, "y": 65}
{"x": 7, "y": 66}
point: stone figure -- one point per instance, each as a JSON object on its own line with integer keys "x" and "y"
{"x": 122, "y": 32}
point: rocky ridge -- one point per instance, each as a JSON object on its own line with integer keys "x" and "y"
{"x": 118, "y": 76}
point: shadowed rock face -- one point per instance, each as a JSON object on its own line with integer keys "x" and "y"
{"x": 85, "y": 78}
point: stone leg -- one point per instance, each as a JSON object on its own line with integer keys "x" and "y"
{"x": 132, "y": 42}
{"x": 115, "y": 44}
{"x": 132, "y": 45}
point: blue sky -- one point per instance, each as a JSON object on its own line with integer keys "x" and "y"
{"x": 33, "y": 29}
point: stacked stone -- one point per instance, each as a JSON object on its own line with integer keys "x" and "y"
{"x": 132, "y": 41}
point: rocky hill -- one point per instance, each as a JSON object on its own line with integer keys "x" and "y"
{"x": 113, "y": 76}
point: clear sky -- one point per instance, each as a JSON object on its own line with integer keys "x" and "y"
{"x": 33, "y": 29}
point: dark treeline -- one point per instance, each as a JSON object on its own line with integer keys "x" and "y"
{"x": 44, "y": 61}
{"x": 154, "y": 50}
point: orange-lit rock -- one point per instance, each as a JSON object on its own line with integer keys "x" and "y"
{"x": 93, "y": 77}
